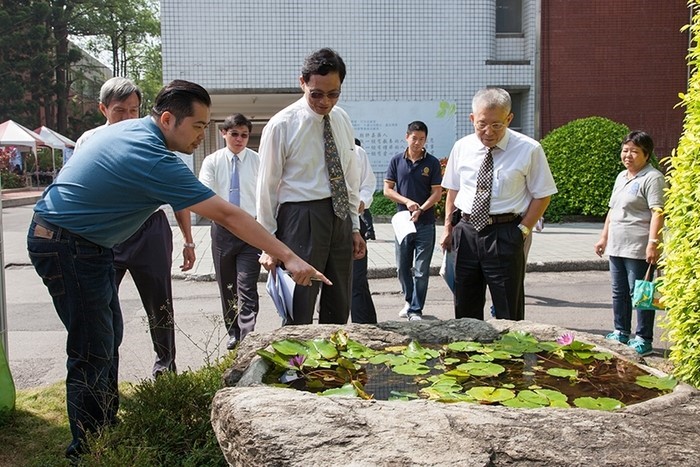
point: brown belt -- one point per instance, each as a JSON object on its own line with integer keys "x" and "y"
{"x": 497, "y": 218}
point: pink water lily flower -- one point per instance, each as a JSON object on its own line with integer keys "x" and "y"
{"x": 566, "y": 338}
{"x": 297, "y": 361}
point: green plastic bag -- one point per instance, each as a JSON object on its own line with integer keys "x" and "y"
{"x": 7, "y": 386}
{"x": 645, "y": 295}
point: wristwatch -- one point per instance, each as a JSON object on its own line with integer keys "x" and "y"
{"x": 189, "y": 245}
{"x": 524, "y": 230}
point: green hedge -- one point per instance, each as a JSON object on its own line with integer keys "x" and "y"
{"x": 584, "y": 156}
{"x": 680, "y": 284}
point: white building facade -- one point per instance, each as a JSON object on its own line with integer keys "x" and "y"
{"x": 406, "y": 60}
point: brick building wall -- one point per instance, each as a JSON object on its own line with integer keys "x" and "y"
{"x": 623, "y": 60}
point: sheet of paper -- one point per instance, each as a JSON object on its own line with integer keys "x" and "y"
{"x": 401, "y": 221}
{"x": 280, "y": 287}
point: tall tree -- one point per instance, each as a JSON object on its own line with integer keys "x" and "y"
{"x": 25, "y": 61}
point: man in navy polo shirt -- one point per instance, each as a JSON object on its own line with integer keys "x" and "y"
{"x": 413, "y": 182}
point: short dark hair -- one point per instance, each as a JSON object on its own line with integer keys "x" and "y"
{"x": 118, "y": 89}
{"x": 641, "y": 139}
{"x": 235, "y": 120}
{"x": 322, "y": 62}
{"x": 417, "y": 126}
{"x": 177, "y": 98}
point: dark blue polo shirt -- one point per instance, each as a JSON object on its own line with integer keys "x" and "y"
{"x": 415, "y": 180}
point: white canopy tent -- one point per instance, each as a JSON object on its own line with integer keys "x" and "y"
{"x": 14, "y": 134}
{"x": 57, "y": 141}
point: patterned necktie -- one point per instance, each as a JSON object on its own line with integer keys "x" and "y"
{"x": 482, "y": 199}
{"x": 234, "y": 193}
{"x": 339, "y": 191}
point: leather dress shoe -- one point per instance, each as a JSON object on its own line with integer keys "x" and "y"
{"x": 232, "y": 343}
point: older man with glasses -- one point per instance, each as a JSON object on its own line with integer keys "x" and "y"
{"x": 308, "y": 188}
{"x": 499, "y": 185}
{"x": 232, "y": 173}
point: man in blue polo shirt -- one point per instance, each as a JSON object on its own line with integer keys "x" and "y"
{"x": 413, "y": 181}
{"x": 101, "y": 197}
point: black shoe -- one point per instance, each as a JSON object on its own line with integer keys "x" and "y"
{"x": 232, "y": 343}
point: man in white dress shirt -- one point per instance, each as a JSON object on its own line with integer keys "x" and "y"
{"x": 235, "y": 261}
{"x": 362, "y": 310}
{"x": 294, "y": 189}
{"x": 519, "y": 187}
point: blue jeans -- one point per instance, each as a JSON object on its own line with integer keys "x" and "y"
{"x": 80, "y": 278}
{"x": 624, "y": 271}
{"x": 413, "y": 256}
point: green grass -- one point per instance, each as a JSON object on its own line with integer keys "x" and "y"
{"x": 36, "y": 433}
{"x": 163, "y": 422}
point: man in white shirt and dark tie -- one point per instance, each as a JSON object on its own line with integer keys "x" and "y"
{"x": 232, "y": 172}
{"x": 308, "y": 188}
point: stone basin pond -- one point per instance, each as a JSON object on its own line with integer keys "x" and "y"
{"x": 517, "y": 370}
{"x": 437, "y": 393}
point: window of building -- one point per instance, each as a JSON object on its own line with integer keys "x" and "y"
{"x": 517, "y": 101}
{"x": 509, "y": 17}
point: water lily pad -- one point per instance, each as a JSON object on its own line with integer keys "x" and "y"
{"x": 402, "y": 395}
{"x": 598, "y": 403}
{"x": 339, "y": 339}
{"x": 563, "y": 373}
{"x": 490, "y": 394}
{"x": 665, "y": 383}
{"x": 451, "y": 361}
{"x": 481, "y": 368}
{"x": 500, "y": 355}
{"x": 411, "y": 369}
{"x": 415, "y": 351}
{"x": 481, "y": 358}
{"x": 356, "y": 350}
{"x": 274, "y": 358}
{"x": 323, "y": 348}
{"x": 465, "y": 346}
{"x": 347, "y": 364}
{"x": 347, "y": 390}
{"x": 538, "y": 398}
{"x": 389, "y": 359}
{"x": 290, "y": 347}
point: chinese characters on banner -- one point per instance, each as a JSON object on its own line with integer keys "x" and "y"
{"x": 381, "y": 126}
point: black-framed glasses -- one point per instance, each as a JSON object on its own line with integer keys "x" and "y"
{"x": 481, "y": 126}
{"x": 318, "y": 95}
{"x": 235, "y": 134}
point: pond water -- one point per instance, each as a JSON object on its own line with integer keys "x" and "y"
{"x": 516, "y": 370}
{"x": 614, "y": 378}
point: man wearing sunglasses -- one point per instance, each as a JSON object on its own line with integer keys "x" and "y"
{"x": 501, "y": 182}
{"x": 232, "y": 172}
{"x": 308, "y": 188}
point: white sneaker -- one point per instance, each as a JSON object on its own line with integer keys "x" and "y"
{"x": 415, "y": 317}
{"x": 404, "y": 311}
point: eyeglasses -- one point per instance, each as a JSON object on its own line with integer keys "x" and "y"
{"x": 481, "y": 126}
{"x": 235, "y": 134}
{"x": 318, "y": 95}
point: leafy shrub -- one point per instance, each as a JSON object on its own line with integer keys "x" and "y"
{"x": 679, "y": 285}
{"x": 165, "y": 422}
{"x": 584, "y": 156}
{"x": 11, "y": 180}
{"x": 382, "y": 206}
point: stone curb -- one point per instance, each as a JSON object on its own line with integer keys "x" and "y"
{"x": 390, "y": 272}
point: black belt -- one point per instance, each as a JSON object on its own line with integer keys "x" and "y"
{"x": 497, "y": 218}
